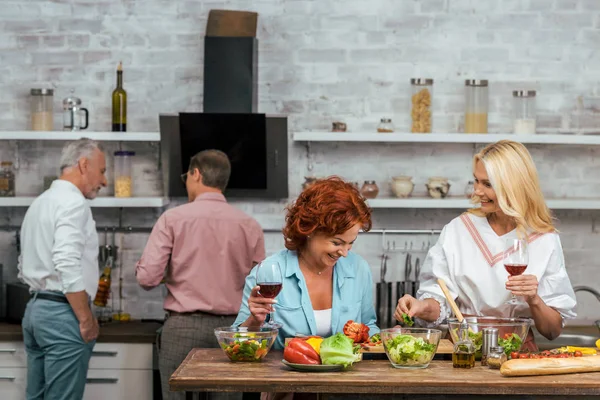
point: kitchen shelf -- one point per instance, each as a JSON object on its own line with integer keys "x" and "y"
{"x": 97, "y": 202}
{"x": 323, "y": 136}
{"x": 74, "y": 135}
{"x": 462, "y": 203}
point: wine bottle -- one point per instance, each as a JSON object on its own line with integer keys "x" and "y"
{"x": 119, "y": 103}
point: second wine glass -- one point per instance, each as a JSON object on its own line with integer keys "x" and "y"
{"x": 270, "y": 281}
{"x": 516, "y": 259}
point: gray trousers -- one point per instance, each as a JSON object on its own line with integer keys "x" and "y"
{"x": 180, "y": 334}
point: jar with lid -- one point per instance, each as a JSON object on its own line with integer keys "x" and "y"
{"x": 469, "y": 189}
{"x": 123, "y": 173}
{"x": 496, "y": 357}
{"x": 476, "y": 106}
{"x": 385, "y": 126}
{"x": 420, "y": 104}
{"x": 524, "y": 111}
{"x": 42, "y": 109}
{"x": 463, "y": 354}
{"x": 7, "y": 179}
{"x": 369, "y": 190}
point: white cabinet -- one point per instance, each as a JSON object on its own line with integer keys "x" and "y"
{"x": 117, "y": 371}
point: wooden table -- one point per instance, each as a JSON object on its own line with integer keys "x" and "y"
{"x": 209, "y": 370}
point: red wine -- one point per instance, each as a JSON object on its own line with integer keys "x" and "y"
{"x": 515, "y": 269}
{"x": 269, "y": 290}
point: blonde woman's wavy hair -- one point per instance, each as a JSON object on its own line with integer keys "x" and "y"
{"x": 514, "y": 178}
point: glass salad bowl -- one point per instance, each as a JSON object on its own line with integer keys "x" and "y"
{"x": 410, "y": 347}
{"x": 512, "y": 332}
{"x": 246, "y": 344}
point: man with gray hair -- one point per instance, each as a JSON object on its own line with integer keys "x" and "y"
{"x": 59, "y": 263}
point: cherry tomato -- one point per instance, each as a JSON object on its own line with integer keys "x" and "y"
{"x": 523, "y": 355}
{"x": 578, "y": 354}
{"x": 514, "y": 355}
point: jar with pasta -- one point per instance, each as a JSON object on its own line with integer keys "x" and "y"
{"x": 420, "y": 104}
{"x": 123, "y": 173}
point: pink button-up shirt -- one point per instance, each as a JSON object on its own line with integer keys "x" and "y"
{"x": 207, "y": 248}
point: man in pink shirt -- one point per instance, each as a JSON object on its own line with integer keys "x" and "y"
{"x": 203, "y": 250}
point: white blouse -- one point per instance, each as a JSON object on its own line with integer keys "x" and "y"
{"x": 323, "y": 322}
{"x": 468, "y": 257}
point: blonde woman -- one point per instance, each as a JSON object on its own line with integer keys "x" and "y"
{"x": 468, "y": 254}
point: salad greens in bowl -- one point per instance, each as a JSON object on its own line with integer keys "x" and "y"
{"x": 410, "y": 347}
{"x": 246, "y": 343}
{"x": 512, "y": 332}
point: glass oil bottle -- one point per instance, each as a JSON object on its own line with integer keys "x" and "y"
{"x": 463, "y": 355}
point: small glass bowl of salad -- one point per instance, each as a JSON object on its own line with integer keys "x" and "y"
{"x": 410, "y": 347}
{"x": 246, "y": 344}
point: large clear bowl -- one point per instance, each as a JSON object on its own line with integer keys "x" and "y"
{"x": 246, "y": 344}
{"x": 410, "y": 347}
{"x": 506, "y": 328}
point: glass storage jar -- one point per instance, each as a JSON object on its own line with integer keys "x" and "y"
{"x": 469, "y": 189}
{"x": 524, "y": 111}
{"x": 476, "y": 106}
{"x": 420, "y": 106}
{"x": 7, "y": 179}
{"x": 123, "y": 173}
{"x": 369, "y": 190}
{"x": 385, "y": 126}
{"x": 496, "y": 357}
{"x": 42, "y": 109}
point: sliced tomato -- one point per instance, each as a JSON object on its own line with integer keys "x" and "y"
{"x": 524, "y": 355}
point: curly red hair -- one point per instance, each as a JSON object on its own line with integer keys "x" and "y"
{"x": 330, "y": 206}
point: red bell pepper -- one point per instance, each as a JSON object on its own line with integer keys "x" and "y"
{"x": 298, "y": 351}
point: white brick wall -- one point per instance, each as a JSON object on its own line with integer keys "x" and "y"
{"x": 319, "y": 61}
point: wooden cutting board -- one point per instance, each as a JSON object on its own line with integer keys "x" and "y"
{"x": 444, "y": 347}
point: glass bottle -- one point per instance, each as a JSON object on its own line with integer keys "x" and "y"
{"x": 496, "y": 357}
{"x": 476, "y": 110}
{"x": 369, "y": 190}
{"x": 103, "y": 288}
{"x": 42, "y": 117}
{"x": 119, "y": 103}
{"x": 385, "y": 126}
{"x": 420, "y": 105}
{"x": 463, "y": 355}
{"x": 524, "y": 111}
{"x": 7, "y": 179}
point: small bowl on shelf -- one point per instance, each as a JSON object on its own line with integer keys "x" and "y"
{"x": 410, "y": 348}
{"x": 246, "y": 344}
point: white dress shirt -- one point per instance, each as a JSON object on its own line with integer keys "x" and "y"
{"x": 59, "y": 242}
{"x": 468, "y": 257}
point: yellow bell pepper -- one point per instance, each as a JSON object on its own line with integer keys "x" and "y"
{"x": 573, "y": 349}
{"x": 315, "y": 343}
{"x": 598, "y": 343}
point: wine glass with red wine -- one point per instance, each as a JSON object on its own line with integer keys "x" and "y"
{"x": 516, "y": 258}
{"x": 270, "y": 281}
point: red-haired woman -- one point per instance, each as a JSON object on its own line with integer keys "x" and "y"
{"x": 324, "y": 283}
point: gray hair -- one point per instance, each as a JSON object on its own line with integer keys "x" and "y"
{"x": 75, "y": 150}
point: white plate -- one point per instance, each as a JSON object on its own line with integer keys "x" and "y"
{"x": 313, "y": 367}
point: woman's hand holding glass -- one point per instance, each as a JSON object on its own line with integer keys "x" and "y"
{"x": 259, "y": 306}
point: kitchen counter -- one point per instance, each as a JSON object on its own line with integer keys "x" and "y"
{"x": 210, "y": 370}
{"x": 112, "y": 332}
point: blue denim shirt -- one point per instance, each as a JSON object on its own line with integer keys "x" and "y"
{"x": 352, "y": 297}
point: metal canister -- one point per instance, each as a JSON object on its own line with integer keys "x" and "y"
{"x": 490, "y": 339}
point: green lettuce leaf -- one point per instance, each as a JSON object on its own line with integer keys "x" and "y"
{"x": 338, "y": 350}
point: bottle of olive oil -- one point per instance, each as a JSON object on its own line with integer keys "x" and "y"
{"x": 119, "y": 104}
{"x": 463, "y": 355}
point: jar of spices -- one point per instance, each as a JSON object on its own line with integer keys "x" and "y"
{"x": 42, "y": 109}
{"x": 7, "y": 179}
{"x": 476, "y": 106}
{"x": 524, "y": 111}
{"x": 123, "y": 173}
{"x": 496, "y": 357}
{"x": 369, "y": 190}
{"x": 469, "y": 189}
{"x": 420, "y": 112}
{"x": 385, "y": 126}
